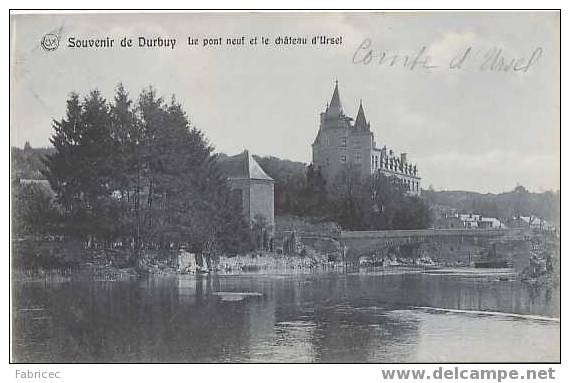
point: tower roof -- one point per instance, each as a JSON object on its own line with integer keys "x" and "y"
{"x": 243, "y": 166}
{"x": 335, "y": 107}
{"x": 360, "y": 122}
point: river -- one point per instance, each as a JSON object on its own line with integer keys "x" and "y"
{"x": 316, "y": 317}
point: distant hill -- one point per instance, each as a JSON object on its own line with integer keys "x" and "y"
{"x": 289, "y": 180}
{"x": 503, "y": 206}
{"x": 279, "y": 169}
{"x": 27, "y": 163}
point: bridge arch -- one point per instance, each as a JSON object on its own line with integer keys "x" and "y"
{"x": 361, "y": 243}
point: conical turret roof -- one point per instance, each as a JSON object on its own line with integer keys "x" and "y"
{"x": 360, "y": 122}
{"x": 335, "y": 107}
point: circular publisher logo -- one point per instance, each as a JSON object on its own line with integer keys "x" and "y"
{"x": 50, "y": 42}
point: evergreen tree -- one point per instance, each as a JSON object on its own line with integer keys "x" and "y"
{"x": 64, "y": 167}
{"x": 125, "y": 133}
{"x": 141, "y": 174}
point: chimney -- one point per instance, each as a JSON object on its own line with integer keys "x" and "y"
{"x": 403, "y": 158}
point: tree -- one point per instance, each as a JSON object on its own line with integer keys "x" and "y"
{"x": 315, "y": 192}
{"x": 139, "y": 173}
{"x": 377, "y": 203}
{"x": 126, "y": 137}
{"x": 414, "y": 213}
{"x": 64, "y": 167}
{"x": 346, "y": 196}
{"x": 33, "y": 210}
{"x": 82, "y": 168}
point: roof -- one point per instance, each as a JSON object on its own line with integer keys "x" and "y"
{"x": 360, "y": 122}
{"x": 335, "y": 107}
{"x": 243, "y": 166}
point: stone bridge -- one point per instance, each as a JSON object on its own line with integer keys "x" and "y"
{"x": 356, "y": 244}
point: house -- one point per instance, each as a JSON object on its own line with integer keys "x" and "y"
{"x": 467, "y": 221}
{"x": 251, "y": 187}
{"x": 489, "y": 223}
{"x": 531, "y": 222}
{"x": 470, "y": 221}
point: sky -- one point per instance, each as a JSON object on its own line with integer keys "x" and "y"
{"x": 470, "y": 127}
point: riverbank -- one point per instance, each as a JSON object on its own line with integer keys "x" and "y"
{"x": 98, "y": 267}
{"x": 85, "y": 272}
{"x": 62, "y": 261}
{"x": 57, "y": 260}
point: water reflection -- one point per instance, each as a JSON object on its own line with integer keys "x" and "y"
{"x": 303, "y": 318}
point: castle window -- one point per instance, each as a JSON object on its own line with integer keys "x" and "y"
{"x": 343, "y": 142}
{"x": 343, "y": 158}
{"x": 358, "y": 158}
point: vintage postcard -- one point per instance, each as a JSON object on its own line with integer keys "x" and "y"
{"x": 285, "y": 187}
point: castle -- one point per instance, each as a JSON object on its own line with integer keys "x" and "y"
{"x": 343, "y": 145}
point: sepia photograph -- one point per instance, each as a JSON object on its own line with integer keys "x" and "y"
{"x": 285, "y": 187}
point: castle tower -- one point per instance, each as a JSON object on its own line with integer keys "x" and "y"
{"x": 342, "y": 145}
{"x": 360, "y": 123}
{"x": 334, "y": 109}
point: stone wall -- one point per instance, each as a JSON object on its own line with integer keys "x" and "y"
{"x": 257, "y": 198}
{"x": 261, "y": 201}
{"x": 186, "y": 262}
{"x": 243, "y": 185}
{"x": 339, "y": 149}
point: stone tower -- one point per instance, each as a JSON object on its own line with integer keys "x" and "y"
{"x": 344, "y": 144}
{"x": 251, "y": 187}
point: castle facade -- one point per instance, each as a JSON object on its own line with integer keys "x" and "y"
{"x": 345, "y": 144}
